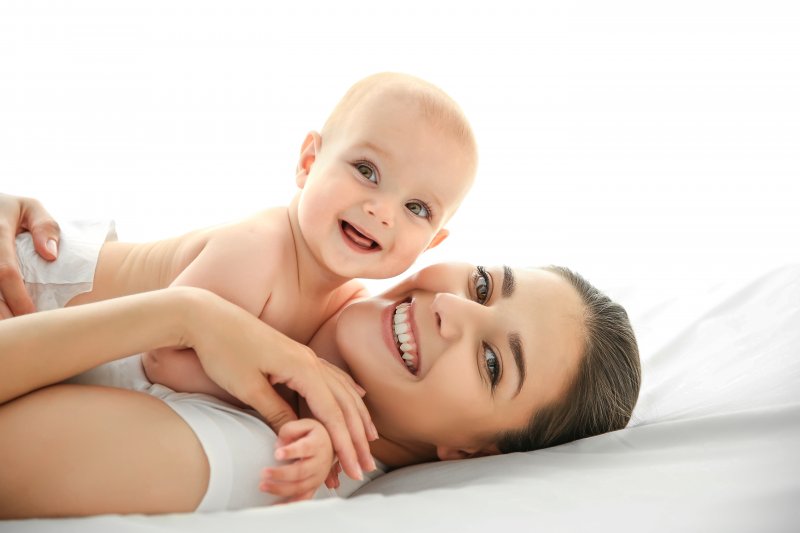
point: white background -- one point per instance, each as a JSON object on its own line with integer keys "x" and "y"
{"x": 627, "y": 139}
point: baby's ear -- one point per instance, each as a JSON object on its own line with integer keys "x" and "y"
{"x": 438, "y": 238}
{"x": 308, "y": 154}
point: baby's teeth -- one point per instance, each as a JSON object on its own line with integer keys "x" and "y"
{"x": 400, "y": 328}
{"x": 406, "y": 347}
{"x": 407, "y": 358}
{"x": 399, "y": 317}
{"x": 404, "y": 337}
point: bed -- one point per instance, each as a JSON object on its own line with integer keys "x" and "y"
{"x": 713, "y": 444}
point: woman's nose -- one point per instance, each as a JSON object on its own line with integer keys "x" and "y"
{"x": 453, "y": 314}
{"x": 381, "y": 210}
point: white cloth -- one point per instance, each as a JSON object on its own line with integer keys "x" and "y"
{"x": 53, "y": 284}
{"x": 237, "y": 442}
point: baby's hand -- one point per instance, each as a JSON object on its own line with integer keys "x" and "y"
{"x": 307, "y": 445}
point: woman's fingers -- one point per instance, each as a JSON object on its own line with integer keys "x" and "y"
{"x": 339, "y": 417}
{"x": 355, "y": 413}
{"x": 269, "y": 404}
{"x": 345, "y": 444}
{"x": 12, "y": 289}
{"x": 356, "y": 391}
{"x": 343, "y": 376}
{"x": 17, "y": 215}
{"x": 42, "y": 226}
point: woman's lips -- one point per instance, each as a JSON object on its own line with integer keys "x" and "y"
{"x": 388, "y": 335}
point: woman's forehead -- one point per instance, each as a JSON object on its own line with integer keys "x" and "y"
{"x": 548, "y": 314}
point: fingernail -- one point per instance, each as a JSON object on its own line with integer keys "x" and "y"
{"x": 52, "y": 247}
{"x": 372, "y": 464}
{"x": 375, "y": 435}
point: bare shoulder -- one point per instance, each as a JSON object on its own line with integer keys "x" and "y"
{"x": 269, "y": 230}
{"x": 348, "y": 293}
{"x": 243, "y": 262}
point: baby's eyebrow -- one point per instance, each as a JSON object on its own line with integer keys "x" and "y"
{"x": 375, "y": 148}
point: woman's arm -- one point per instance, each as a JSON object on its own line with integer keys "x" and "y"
{"x": 235, "y": 348}
{"x": 45, "y": 348}
{"x": 80, "y": 450}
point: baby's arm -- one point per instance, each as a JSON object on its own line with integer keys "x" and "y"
{"x": 307, "y": 447}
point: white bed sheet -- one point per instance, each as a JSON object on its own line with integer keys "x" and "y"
{"x": 713, "y": 444}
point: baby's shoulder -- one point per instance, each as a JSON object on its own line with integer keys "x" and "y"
{"x": 272, "y": 222}
{"x": 266, "y": 234}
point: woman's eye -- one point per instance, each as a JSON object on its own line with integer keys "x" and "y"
{"x": 492, "y": 365}
{"x": 419, "y": 209}
{"x": 368, "y": 172}
{"x": 482, "y": 285}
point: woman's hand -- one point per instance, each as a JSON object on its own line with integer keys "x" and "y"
{"x": 19, "y": 214}
{"x": 246, "y": 357}
{"x": 306, "y": 447}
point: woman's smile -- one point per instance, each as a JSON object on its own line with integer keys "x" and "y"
{"x": 405, "y": 335}
{"x": 398, "y": 334}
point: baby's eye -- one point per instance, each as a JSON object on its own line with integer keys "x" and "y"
{"x": 419, "y": 209}
{"x": 492, "y": 365}
{"x": 483, "y": 286}
{"x": 367, "y": 171}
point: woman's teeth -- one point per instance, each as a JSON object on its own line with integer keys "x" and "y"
{"x": 404, "y": 337}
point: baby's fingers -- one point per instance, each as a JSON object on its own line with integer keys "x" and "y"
{"x": 289, "y": 481}
{"x": 299, "y": 449}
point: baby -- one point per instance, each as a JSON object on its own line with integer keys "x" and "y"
{"x": 377, "y": 185}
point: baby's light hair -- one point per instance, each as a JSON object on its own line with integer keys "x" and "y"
{"x": 436, "y": 106}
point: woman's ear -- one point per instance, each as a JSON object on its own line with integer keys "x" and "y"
{"x": 447, "y": 453}
{"x": 308, "y": 155}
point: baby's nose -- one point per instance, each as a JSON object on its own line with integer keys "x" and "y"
{"x": 380, "y": 210}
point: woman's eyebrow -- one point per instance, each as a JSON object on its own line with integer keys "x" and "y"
{"x": 515, "y": 342}
{"x": 508, "y": 281}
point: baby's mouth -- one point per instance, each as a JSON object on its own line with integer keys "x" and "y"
{"x": 404, "y": 337}
{"x": 359, "y": 239}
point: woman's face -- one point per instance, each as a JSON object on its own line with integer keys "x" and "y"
{"x": 486, "y": 348}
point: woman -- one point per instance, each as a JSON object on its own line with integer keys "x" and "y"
{"x": 508, "y": 360}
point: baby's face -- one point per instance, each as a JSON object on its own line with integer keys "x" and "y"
{"x": 380, "y": 189}
{"x": 441, "y": 355}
